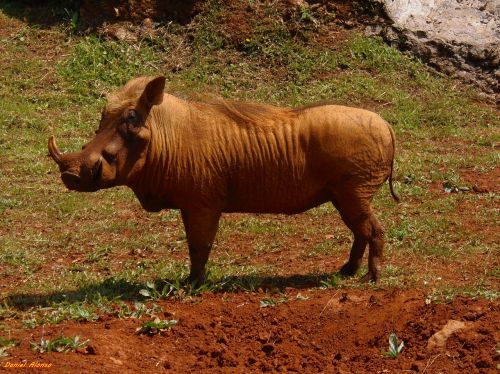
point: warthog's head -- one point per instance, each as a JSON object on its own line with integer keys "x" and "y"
{"x": 118, "y": 151}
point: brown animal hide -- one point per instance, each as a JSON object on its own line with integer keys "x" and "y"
{"x": 206, "y": 158}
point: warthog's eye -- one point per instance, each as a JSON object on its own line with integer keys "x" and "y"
{"x": 133, "y": 118}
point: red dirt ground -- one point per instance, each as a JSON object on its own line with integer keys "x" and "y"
{"x": 336, "y": 331}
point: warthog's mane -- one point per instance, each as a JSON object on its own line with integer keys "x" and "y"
{"x": 245, "y": 113}
{"x": 249, "y": 113}
{"x": 128, "y": 94}
{"x": 242, "y": 113}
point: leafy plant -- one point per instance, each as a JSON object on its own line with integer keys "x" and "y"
{"x": 73, "y": 17}
{"x": 123, "y": 310}
{"x": 270, "y": 302}
{"x": 6, "y": 344}
{"x": 156, "y": 326}
{"x": 152, "y": 293}
{"x": 61, "y": 312}
{"x": 80, "y": 312}
{"x": 332, "y": 282}
{"x": 306, "y": 16}
{"x": 395, "y": 347}
{"x": 176, "y": 289}
{"x": 60, "y": 344}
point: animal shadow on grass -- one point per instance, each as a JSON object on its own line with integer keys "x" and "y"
{"x": 113, "y": 289}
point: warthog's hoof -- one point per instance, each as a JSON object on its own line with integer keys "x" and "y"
{"x": 369, "y": 277}
{"x": 348, "y": 270}
{"x": 195, "y": 281}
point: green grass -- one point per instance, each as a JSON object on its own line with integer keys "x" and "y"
{"x": 86, "y": 246}
{"x": 105, "y": 64}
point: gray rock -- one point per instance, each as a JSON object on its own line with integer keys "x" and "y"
{"x": 451, "y": 35}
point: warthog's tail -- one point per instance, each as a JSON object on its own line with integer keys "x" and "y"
{"x": 393, "y": 137}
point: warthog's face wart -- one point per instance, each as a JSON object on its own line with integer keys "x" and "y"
{"x": 117, "y": 153}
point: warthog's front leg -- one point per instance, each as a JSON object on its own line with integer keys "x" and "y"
{"x": 201, "y": 227}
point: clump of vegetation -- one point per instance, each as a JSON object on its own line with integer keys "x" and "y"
{"x": 395, "y": 347}
{"x": 6, "y": 344}
{"x": 61, "y": 344}
{"x": 156, "y": 326}
{"x": 333, "y": 281}
{"x": 123, "y": 310}
{"x": 270, "y": 302}
{"x": 175, "y": 289}
{"x": 61, "y": 312}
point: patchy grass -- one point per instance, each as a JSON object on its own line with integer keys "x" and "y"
{"x": 5, "y": 345}
{"x": 64, "y": 252}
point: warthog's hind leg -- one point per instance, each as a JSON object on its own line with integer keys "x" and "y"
{"x": 375, "y": 255}
{"x": 356, "y": 256}
{"x": 357, "y": 214}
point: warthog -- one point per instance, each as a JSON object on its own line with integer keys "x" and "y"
{"x": 209, "y": 158}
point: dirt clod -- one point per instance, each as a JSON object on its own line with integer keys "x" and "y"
{"x": 438, "y": 340}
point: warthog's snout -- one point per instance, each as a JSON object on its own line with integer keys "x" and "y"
{"x": 80, "y": 171}
{"x": 71, "y": 180}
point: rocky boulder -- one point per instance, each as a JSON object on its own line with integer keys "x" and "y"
{"x": 458, "y": 37}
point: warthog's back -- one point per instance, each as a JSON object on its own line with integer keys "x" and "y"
{"x": 286, "y": 162}
{"x": 294, "y": 165}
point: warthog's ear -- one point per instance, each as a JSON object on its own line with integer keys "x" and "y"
{"x": 153, "y": 93}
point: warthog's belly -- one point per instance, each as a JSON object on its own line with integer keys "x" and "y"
{"x": 287, "y": 198}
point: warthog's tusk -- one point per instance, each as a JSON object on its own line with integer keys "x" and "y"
{"x": 53, "y": 150}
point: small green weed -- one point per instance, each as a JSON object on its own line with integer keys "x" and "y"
{"x": 73, "y": 18}
{"x": 60, "y": 312}
{"x": 6, "y": 344}
{"x": 60, "y": 344}
{"x": 156, "y": 326}
{"x": 123, "y": 310}
{"x": 270, "y": 302}
{"x": 333, "y": 282}
{"x": 247, "y": 284}
{"x": 395, "y": 347}
{"x": 176, "y": 289}
{"x": 88, "y": 311}
{"x": 152, "y": 293}
{"x": 447, "y": 295}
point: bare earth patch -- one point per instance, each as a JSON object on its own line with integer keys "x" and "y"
{"x": 333, "y": 331}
